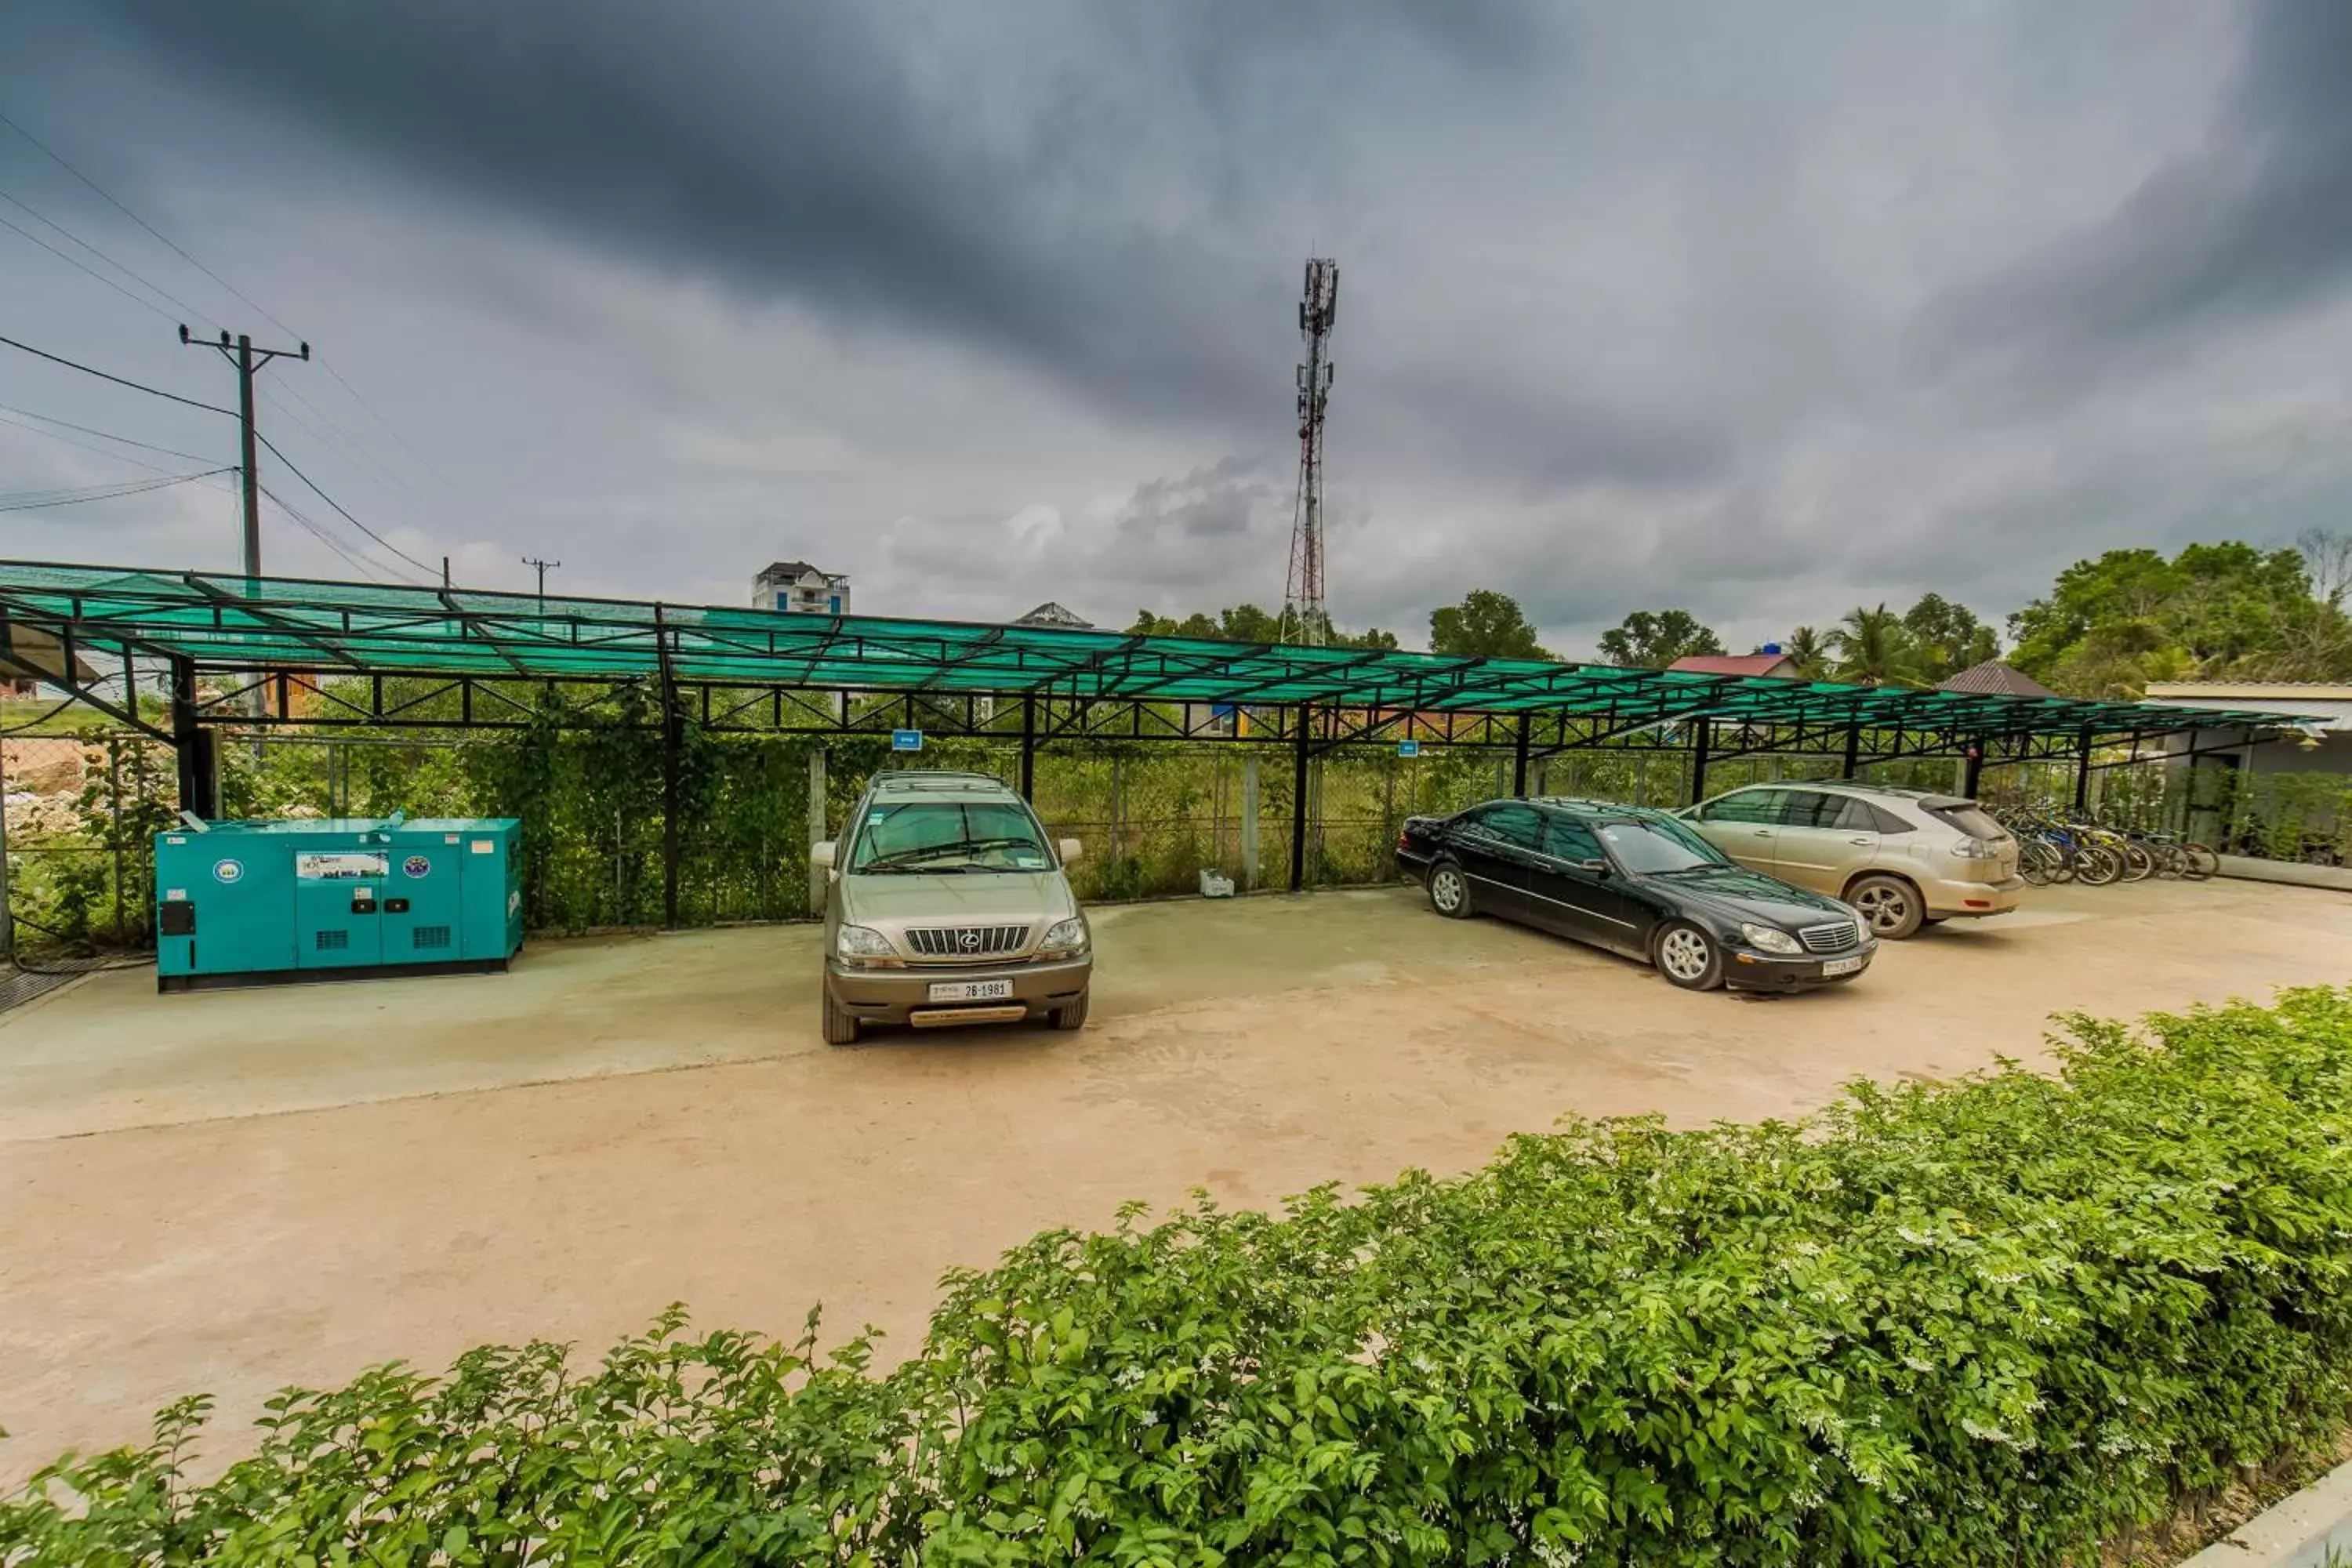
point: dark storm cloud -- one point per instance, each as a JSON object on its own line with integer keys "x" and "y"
{"x": 809, "y": 153}
{"x": 2256, "y": 222}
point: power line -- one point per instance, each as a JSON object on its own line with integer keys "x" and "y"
{"x": 42, "y": 500}
{"x": 85, "y": 267}
{"x": 83, "y": 446}
{"x": 54, "y": 157}
{"x": 119, "y": 381}
{"x": 106, "y": 435}
{"x": 147, "y": 283}
{"x": 340, "y": 442}
{"x": 358, "y": 564}
{"x": 426, "y": 463}
{"x": 339, "y": 506}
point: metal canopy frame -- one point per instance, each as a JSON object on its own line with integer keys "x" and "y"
{"x": 752, "y": 669}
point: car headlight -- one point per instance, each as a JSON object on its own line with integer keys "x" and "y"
{"x": 1065, "y": 939}
{"x": 1764, "y": 939}
{"x": 858, "y": 942}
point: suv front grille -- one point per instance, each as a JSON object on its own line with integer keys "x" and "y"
{"x": 1832, "y": 939}
{"x": 966, "y": 942}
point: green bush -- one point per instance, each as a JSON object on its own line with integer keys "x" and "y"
{"x": 1996, "y": 1321}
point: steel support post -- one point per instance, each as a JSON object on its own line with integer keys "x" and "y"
{"x": 1298, "y": 798}
{"x": 673, "y": 743}
{"x": 1029, "y": 746}
{"x": 817, "y": 830}
{"x": 1249, "y": 822}
{"x": 1702, "y": 736}
{"x": 2083, "y": 774}
{"x": 1975, "y": 768}
{"x": 1852, "y": 750}
{"x": 192, "y": 745}
{"x": 1519, "y": 760}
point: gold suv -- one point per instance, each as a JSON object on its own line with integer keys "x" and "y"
{"x": 947, "y": 904}
{"x": 1903, "y": 857}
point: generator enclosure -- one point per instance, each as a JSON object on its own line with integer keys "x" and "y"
{"x": 252, "y": 903}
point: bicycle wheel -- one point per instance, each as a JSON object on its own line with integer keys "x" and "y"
{"x": 2199, "y": 862}
{"x": 2139, "y": 863}
{"x": 2038, "y": 862}
{"x": 2095, "y": 865}
{"x": 2171, "y": 861}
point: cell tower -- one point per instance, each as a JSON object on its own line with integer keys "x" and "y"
{"x": 1303, "y": 619}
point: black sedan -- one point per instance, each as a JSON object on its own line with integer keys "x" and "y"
{"x": 1637, "y": 882}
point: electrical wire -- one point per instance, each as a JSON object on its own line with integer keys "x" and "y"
{"x": 119, "y": 381}
{"x": 84, "y": 445}
{"x": 338, "y": 440}
{"x": 339, "y": 506}
{"x": 42, "y": 500}
{"x": 106, "y": 435}
{"x": 143, "y": 282}
{"x": 59, "y": 160}
{"x": 83, "y": 267}
{"x": 320, "y": 535}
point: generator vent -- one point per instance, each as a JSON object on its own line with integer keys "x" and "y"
{"x": 330, "y": 940}
{"x": 429, "y": 936}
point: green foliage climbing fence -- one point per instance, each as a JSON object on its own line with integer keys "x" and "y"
{"x": 2014, "y": 1319}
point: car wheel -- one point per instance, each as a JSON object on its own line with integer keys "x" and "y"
{"x": 1890, "y": 904}
{"x": 1689, "y": 957}
{"x": 1072, "y": 1015}
{"x": 1449, "y": 891}
{"x": 840, "y": 1023}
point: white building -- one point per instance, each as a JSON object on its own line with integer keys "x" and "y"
{"x": 2323, "y": 743}
{"x": 798, "y": 588}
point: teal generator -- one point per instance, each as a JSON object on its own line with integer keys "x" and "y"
{"x": 252, "y": 903}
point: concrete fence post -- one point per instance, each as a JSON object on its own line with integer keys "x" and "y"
{"x": 816, "y": 826}
{"x": 1249, "y": 823}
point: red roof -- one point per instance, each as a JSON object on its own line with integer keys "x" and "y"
{"x": 1735, "y": 664}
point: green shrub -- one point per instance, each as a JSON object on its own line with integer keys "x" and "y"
{"x": 1995, "y": 1321}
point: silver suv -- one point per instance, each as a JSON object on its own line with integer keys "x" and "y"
{"x": 947, "y": 904}
{"x": 1903, "y": 857}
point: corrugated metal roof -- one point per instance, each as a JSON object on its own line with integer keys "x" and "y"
{"x": 1996, "y": 678}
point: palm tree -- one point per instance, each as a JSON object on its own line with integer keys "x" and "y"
{"x": 1804, "y": 646}
{"x": 1874, "y": 648}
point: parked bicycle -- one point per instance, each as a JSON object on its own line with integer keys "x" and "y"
{"x": 2055, "y": 847}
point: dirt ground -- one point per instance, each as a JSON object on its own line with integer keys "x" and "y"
{"x": 237, "y": 1191}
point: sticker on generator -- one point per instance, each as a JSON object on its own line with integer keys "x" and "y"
{"x": 175, "y": 895}
{"x": 514, "y": 902}
{"x": 484, "y": 846}
{"x": 416, "y": 866}
{"x": 341, "y": 865}
{"x": 227, "y": 871}
{"x": 448, "y": 838}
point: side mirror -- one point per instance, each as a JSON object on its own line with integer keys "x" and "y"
{"x": 1593, "y": 868}
{"x": 821, "y": 854}
{"x": 1070, "y": 849}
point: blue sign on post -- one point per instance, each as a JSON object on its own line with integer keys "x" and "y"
{"x": 1407, "y": 748}
{"x": 906, "y": 740}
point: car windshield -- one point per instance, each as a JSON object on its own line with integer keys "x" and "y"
{"x": 930, "y": 836}
{"x": 1659, "y": 846}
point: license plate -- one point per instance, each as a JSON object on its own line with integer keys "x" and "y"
{"x": 1837, "y": 966}
{"x": 971, "y": 991}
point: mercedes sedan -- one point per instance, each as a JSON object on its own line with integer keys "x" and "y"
{"x": 1637, "y": 882}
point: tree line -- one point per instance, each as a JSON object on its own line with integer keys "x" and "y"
{"x": 2108, "y": 626}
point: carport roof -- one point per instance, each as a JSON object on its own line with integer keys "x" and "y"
{"x": 234, "y": 622}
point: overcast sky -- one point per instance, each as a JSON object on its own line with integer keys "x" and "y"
{"x": 1758, "y": 310}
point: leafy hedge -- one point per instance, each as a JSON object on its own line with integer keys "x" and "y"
{"x": 1996, "y": 1321}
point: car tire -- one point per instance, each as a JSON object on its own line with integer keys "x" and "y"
{"x": 840, "y": 1023}
{"x": 1687, "y": 956}
{"x": 1892, "y": 906}
{"x": 1073, "y": 1015}
{"x": 1449, "y": 890}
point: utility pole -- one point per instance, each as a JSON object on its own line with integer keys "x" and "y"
{"x": 544, "y": 568}
{"x": 246, "y": 360}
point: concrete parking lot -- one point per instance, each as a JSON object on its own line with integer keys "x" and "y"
{"x": 235, "y": 1191}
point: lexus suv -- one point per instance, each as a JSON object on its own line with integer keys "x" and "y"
{"x": 1903, "y": 858}
{"x": 947, "y": 904}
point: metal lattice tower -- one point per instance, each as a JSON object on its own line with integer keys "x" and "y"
{"x": 1304, "y": 617}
